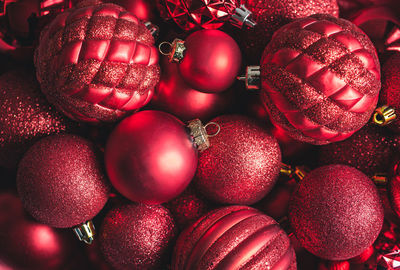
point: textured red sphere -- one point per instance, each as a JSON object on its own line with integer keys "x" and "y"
{"x": 96, "y": 63}
{"x": 137, "y": 236}
{"x": 320, "y": 79}
{"x": 212, "y": 61}
{"x": 336, "y": 212}
{"x": 394, "y": 188}
{"x": 61, "y": 182}
{"x": 231, "y": 238}
{"x": 25, "y": 116}
{"x": 150, "y": 157}
{"x": 242, "y": 163}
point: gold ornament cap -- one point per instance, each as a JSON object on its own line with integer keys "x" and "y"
{"x": 380, "y": 179}
{"x": 85, "y": 232}
{"x": 384, "y": 115}
{"x": 175, "y": 50}
{"x": 199, "y": 133}
{"x": 295, "y": 172}
{"x": 252, "y": 78}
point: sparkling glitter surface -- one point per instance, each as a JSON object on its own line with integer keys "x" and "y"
{"x": 242, "y": 163}
{"x": 60, "y": 181}
{"x": 137, "y": 236}
{"x": 336, "y": 212}
{"x": 25, "y": 116}
{"x": 234, "y": 237}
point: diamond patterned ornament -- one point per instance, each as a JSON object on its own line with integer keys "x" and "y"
{"x": 389, "y": 261}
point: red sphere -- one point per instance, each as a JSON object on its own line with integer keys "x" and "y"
{"x": 394, "y": 188}
{"x": 231, "y": 238}
{"x": 320, "y": 79}
{"x": 336, "y": 212}
{"x": 137, "y": 236}
{"x": 61, "y": 182}
{"x": 96, "y": 63}
{"x": 142, "y": 9}
{"x": 150, "y": 157}
{"x": 212, "y": 61}
{"x": 242, "y": 163}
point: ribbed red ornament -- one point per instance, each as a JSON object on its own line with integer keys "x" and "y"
{"x": 234, "y": 237}
{"x": 320, "y": 79}
{"x": 97, "y": 62}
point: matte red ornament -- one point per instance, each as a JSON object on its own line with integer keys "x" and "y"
{"x": 320, "y": 79}
{"x": 234, "y": 237}
{"x": 137, "y": 236}
{"x": 242, "y": 163}
{"x": 394, "y": 188}
{"x": 336, "y": 212}
{"x": 61, "y": 182}
{"x": 96, "y": 63}
{"x": 150, "y": 157}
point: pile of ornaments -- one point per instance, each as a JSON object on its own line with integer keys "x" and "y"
{"x": 127, "y": 124}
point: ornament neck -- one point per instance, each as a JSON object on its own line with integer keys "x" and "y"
{"x": 380, "y": 179}
{"x": 200, "y": 135}
{"x": 154, "y": 30}
{"x": 252, "y": 78}
{"x": 384, "y": 115}
{"x": 85, "y": 232}
{"x": 242, "y": 16}
{"x": 294, "y": 172}
{"x": 175, "y": 50}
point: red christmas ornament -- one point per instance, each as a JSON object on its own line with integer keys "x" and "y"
{"x": 142, "y": 9}
{"x": 336, "y": 212}
{"x": 60, "y": 181}
{"x": 96, "y": 63}
{"x": 150, "y": 157}
{"x": 329, "y": 265}
{"x": 231, "y": 238}
{"x": 209, "y": 60}
{"x": 25, "y": 116}
{"x": 394, "y": 188}
{"x": 242, "y": 163}
{"x": 364, "y": 256}
{"x": 320, "y": 79}
{"x": 137, "y": 236}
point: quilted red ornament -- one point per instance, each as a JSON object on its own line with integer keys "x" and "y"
{"x": 320, "y": 79}
{"x": 97, "y": 62}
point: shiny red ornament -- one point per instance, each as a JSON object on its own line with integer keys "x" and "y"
{"x": 331, "y": 265}
{"x": 336, "y": 212}
{"x": 364, "y": 256}
{"x": 142, "y": 9}
{"x": 61, "y": 182}
{"x": 320, "y": 79}
{"x": 394, "y": 188}
{"x": 96, "y": 63}
{"x": 242, "y": 163}
{"x": 150, "y": 157}
{"x": 137, "y": 236}
{"x": 234, "y": 237}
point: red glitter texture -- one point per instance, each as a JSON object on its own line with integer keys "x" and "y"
{"x": 320, "y": 79}
{"x": 96, "y": 63}
{"x": 231, "y": 238}
{"x": 336, "y": 212}
{"x": 242, "y": 163}
{"x": 137, "y": 237}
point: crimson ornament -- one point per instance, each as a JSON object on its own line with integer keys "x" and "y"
{"x": 320, "y": 79}
{"x": 336, "y": 212}
{"x": 209, "y": 60}
{"x": 234, "y": 237}
{"x": 142, "y": 9}
{"x": 394, "y": 188}
{"x": 97, "y": 62}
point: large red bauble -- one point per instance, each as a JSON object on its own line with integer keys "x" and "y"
{"x": 96, "y": 63}
{"x": 25, "y": 116}
{"x": 137, "y": 236}
{"x": 336, "y": 212}
{"x": 61, "y": 182}
{"x": 242, "y": 163}
{"x": 320, "y": 79}
{"x": 394, "y": 188}
{"x": 212, "y": 61}
{"x": 150, "y": 157}
{"x": 234, "y": 237}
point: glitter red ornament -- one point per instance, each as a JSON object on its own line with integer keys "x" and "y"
{"x": 137, "y": 236}
{"x": 336, "y": 212}
{"x": 231, "y": 238}
{"x": 320, "y": 79}
{"x": 97, "y": 62}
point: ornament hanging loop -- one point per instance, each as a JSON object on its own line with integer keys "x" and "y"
{"x": 213, "y": 124}
{"x": 175, "y": 51}
{"x": 165, "y": 45}
{"x": 85, "y": 232}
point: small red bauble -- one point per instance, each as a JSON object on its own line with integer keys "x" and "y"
{"x": 96, "y": 63}
{"x": 150, "y": 157}
{"x": 394, "y": 188}
{"x": 60, "y": 181}
{"x": 320, "y": 79}
{"x": 234, "y": 237}
{"x": 137, "y": 236}
{"x": 242, "y": 163}
{"x": 336, "y": 212}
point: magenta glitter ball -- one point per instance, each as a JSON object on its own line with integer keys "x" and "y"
{"x": 137, "y": 236}
{"x": 336, "y": 212}
{"x": 61, "y": 182}
{"x": 394, "y": 188}
{"x": 242, "y": 163}
{"x": 150, "y": 157}
{"x": 212, "y": 61}
{"x": 97, "y": 62}
{"x": 234, "y": 237}
{"x": 320, "y": 79}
